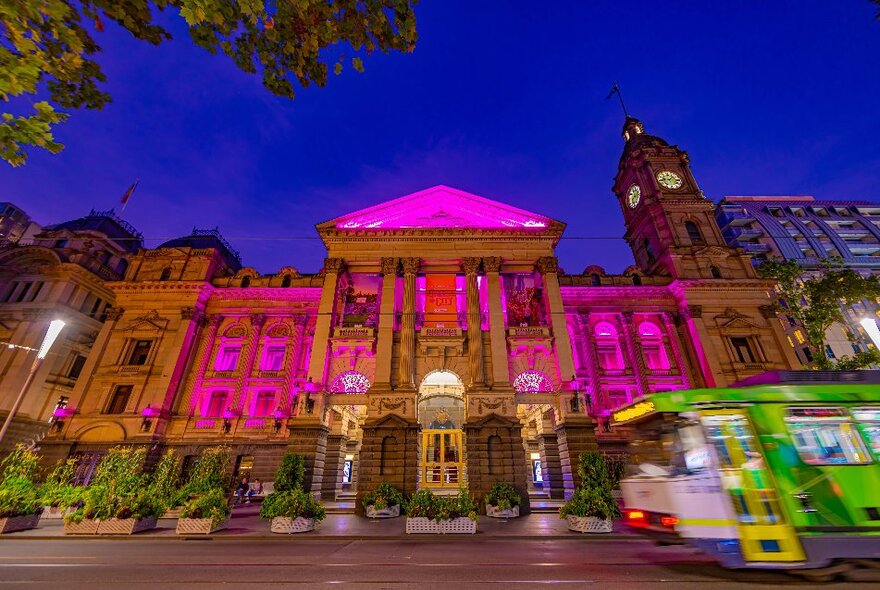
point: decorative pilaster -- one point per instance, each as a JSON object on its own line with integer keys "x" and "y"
{"x": 406, "y": 378}
{"x": 180, "y": 352}
{"x": 471, "y": 267}
{"x": 203, "y": 356}
{"x": 326, "y": 312}
{"x": 591, "y": 359}
{"x": 385, "y": 337}
{"x": 633, "y": 350}
{"x": 249, "y": 352}
{"x": 497, "y": 339}
{"x": 548, "y": 266}
{"x": 680, "y": 362}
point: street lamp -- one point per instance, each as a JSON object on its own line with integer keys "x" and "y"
{"x": 52, "y": 333}
{"x": 870, "y": 326}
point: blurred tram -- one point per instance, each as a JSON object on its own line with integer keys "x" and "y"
{"x": 781, "y": 470}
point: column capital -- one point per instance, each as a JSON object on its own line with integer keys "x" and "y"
{"x": 389, "y": 266}
{"x": 692, "y": 311}
{"x": 547, "y": 264}
{"x": 627, "y": 316}
{"x": 258, "y": 319}
{"x": 214, "y": 320}
{"x": 470, "y": 265}
{"x": 114, "y": 313}
{"x": 334, "y": 265}
{"x": 492, "y": 264}
{"x": 767, "y": 311}
{"x": 411, "y": 265}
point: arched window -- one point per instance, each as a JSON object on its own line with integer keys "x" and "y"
{"x": 595, "y": 280}
{"x": 532, "y": 382}
{"x": 694, "y": 234}
{"x": 637, "y": 280}
{"x": 166, "y": 274}
{"x": 652, "y": 347}
{"x": 246, "y": 282}
{"x": 649, "y": 251}
{"x": 608, "y": 347}
{"x": 716, "y": 274}
{"x": 350, "y": 382}
{"x": 388, "y": 443}
{"x": 285, "y": 282}
{"x": 493, "y": 451}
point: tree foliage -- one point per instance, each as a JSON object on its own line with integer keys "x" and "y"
{"x": 814, "y": 299}
{"x": 49, "y": 47}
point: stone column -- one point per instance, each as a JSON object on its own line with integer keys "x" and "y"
{"x": 326, "y": 310}
{"x": 497, "y": 337}
{"x": 548, "y": 266}
{"x": 406, "y": 378}
{"x": 548, "y": 446}
{"x": 700, "y": 340}
{"x": 310, "y": 441}
{"x": 333, "y": 458}
{"x": 680, "y": 362}
{"x": 179, "y": 354}
{"x": 385, "y": 337}
{"x": 471, "y": 267}
{"x": 633, "y": 351}
{"x": 203, "y": 357}
{"x": 250, "y": 349}
{"x": 575, "y": 436}
{"x": 591, "y": 359}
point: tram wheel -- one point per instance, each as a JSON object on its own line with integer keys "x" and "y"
{"x": 824, "y": 574}
{"x": 864, "y": 570}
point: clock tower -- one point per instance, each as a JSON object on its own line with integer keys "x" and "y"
{"x": 670, "y": 224}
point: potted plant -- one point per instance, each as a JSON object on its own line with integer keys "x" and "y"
{"x": 383, "y": 502}
{"x": 57, "y": 493}
{"x": 421, "y": 513}
{"x": 164, "y": 484}
{"x": 290, "y": 509}
{"x": 427, "y": 513}
{"x": 20, "y": 505}
{"x": 117, "y": 502}
{"x": 203, "y": 513}
{"x": 592, "y": 507}
{"x": 502, "y": 501}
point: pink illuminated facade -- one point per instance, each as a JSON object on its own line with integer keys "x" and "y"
{"x": 440, "y": 310}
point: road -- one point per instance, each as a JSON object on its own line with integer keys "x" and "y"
{"x": 374, "y": 564}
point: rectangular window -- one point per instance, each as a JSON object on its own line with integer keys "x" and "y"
{"x": 11, "y": 291}
{"x": 263, "y": 403}
{"x": 227, "y": 358}
{"x": 869, "y": 419}
{"x": 139, "y": 352}
{"x": 76, "y": 366}
{"x": 22, "y": 293}
{"x": 217, "y": 404}
{"x": 119, "y": 399}
{"x": 95, "y": 307}
{"x": 742, "y": 350}
{"x": 85, "y": 463}
{"x": 273, "y": 359}
{"x": 35, "y": 291}
{"x": 826, "y": 436}
{"x": 244, "y": 464}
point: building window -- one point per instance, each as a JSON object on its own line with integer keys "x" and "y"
{"x": 166, "y": 274}
{"x": 652, "y": 347}
{"x": 61, "y": 243}
{"x": 388, "y": 444}
{"x": 273, "y": 359}
{"x": 76, "y": 366}
{"x": 637, "y": 280}
{"x": 216, "y": 404}
{"x": 139, "y": 352}
{"x": 595, "y": 280}
{"x": 285, "y": 282}
{"x": 246, "y": 282}
{"x": 227, "y": 358}
{"x": 532, "y": 382}
{"x": 649, "y": 251}
{"x": 35, "y": 291}
{"x": 694, "y": 234}
{"x": 608, "y": 347}
{"x": 263, "y": 403}
{"x": 23, "y": 292}
{"x": 119, "y": 399}
{"x": 244, "y": 464}
{"x": 716, "y": 274}
{"x": 493, "y": 452}
{"x": 350, "y": 382}
{"x": 808, "y": 354}
{"x": 856, "y": 348}
{"x": 829, "y": 352}
{"x": 742, "y": 350}
{"x": 85, "y": 464}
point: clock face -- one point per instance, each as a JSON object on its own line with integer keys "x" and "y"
{"x": 633, "y": 196}
{"x": 669, "y": 179}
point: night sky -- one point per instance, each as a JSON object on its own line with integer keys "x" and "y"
{"x": 505, "y": 99}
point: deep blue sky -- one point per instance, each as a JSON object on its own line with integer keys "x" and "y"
{"x": 505, "y": 99}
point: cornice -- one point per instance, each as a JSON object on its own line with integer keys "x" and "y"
{"x": 268, "y": 294}
{"x": 593, "y": 293}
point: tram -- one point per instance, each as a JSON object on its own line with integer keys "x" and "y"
{"x": 781, "y": 470}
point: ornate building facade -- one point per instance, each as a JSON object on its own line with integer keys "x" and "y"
{"x": 440, "y": 343}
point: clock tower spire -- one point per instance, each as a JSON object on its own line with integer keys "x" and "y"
{"x": 670, "y": 224}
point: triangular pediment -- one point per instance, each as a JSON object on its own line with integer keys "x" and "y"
{"x": 391, "y": 421}
{"x": 441, "y": 207}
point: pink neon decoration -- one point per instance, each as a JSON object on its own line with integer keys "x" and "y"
{"x": 350, "y": 382}
{"x": 532, "y": 382}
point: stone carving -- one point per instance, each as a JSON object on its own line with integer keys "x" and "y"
{"x": 470, "y": 265}
{"x": 389, "y": 266}
{"x": 411, "y": 265}
{"x": 479, "y": 405}
{"x": 767, "y": 311}
{"x": 693, "y": 311}
{"x": 547, "y": 264}
{"x": 235, "y": 331}
{"x": 114, "y": 313}
{"x": 257, "y": 319}
{"x": 334, "y": 265}
{"x": 492, "y": 264}
{"x": 152, "y": 318}
{"x": 279, "y": 331}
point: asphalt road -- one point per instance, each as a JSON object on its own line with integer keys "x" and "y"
{"x": 375, "y": 565}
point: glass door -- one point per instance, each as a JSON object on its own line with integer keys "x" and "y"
{"x": 441, "y": 458}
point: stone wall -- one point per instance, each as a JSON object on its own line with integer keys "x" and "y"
{"x": 389, "y": 452}
{"x": 495, "y": 454}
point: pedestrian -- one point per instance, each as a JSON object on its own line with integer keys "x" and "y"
{"x": 242, "y": 490}
{"x": 255, "y": 490}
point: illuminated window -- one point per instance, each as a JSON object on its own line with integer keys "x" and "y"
{"x": 216, "y": 404}
{"x": 608, "y": 346}
{"x": 139, "y": 352}
{"x": 826, "y": 436}
{"x": 263, "y": 403}
{"x": 350, "y": 382}
{"x": 652, "y": 347}
{"x": 119, "y": 400}
{"x": 742, "y": 349}
{"x": 799, "y": 336}
{"x": 532, "y": 382}
{"x": 790, "y": 341}
{"x": 273, "y": 359}
{"x": 227, "y": 358}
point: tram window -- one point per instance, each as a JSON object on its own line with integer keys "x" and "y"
{"x": 823, "y": 436}
{"x": 869, "y": 419}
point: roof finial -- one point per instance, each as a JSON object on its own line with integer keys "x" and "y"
{"x": 616, "y": 90}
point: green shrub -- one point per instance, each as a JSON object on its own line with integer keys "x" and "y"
{"x": 21, "y": 463}
{"x": 211, "y": 471}
{"x": 291, "y": 473}
{"x": 424, "y": 504}
{"x": 616, "y": 469}
{"x": 593, "y": 497}
{"x": 18, "y": 493}
{"x": 58, "y": 490}
{"x": 503, "y": 495}
{"x": 385, "y": 496}
{"x": 292, "y": 504}
{"x": 165, "y": 481}
{"x": 212, "y": 504}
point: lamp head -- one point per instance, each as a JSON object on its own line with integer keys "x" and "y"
{"x": 52, "y": 333}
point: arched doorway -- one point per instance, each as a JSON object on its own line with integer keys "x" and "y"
{"x": 441, "y": 414}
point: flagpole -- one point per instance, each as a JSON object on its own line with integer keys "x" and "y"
{"x": 127, "y": 197}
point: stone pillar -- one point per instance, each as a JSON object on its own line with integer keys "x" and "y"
{"x": 682, "y": 364}
{"x": 700, "y": 340}
{"x": 591, "y": 359}
{"x": 406, "y": 378}
{"x": 575, "y": 436}
{"x": 634, "y": 353}
{"x": 291, "y": 363}
{"x": 497, "y": 337}
{"x": 389, "y": 452}
{"x": 250, "y": 349}
{"x": 471, "y": 267}
{"x": 385, "y": 337}
{"x": 548, "y": 446}
{"x": 548, "y": 266}
{"x": 203, "y": 357}
{"x": 179, "y": 354}
{"x": 491, "y": 459}
{"x": 333, "y": 458}
{"x": 310, "y": 441}
{"x": 326, "y": 310}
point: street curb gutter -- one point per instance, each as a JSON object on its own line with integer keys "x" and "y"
{"x": 305, "y": 538}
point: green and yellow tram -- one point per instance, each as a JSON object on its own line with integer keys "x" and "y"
{"x": 781, "y": 470}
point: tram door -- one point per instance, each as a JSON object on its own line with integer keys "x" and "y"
{"x": 764, "y": 534}
{"x": 442, "y": 464}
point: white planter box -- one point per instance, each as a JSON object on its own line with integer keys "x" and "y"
{"x": 126, "y": 526}
{"x": 87, "y": 526}
{"x": 496, "y": 512}
{"x": 197, "y": 526}
{"x": 390, "y": 512}
{"x": 284, "y": 525}
{"x": 589, "y": 524}
{"x": 10, "y": 524}
{"x": 421, "y": 525}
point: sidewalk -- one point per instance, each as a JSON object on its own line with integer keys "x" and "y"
{"x": 246, "y": 523}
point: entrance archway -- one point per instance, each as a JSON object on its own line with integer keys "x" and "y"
{"x": 441, "y": 415}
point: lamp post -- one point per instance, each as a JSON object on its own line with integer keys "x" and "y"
{"x": 52, "y": 333}
{"x": 870, "y": 326}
